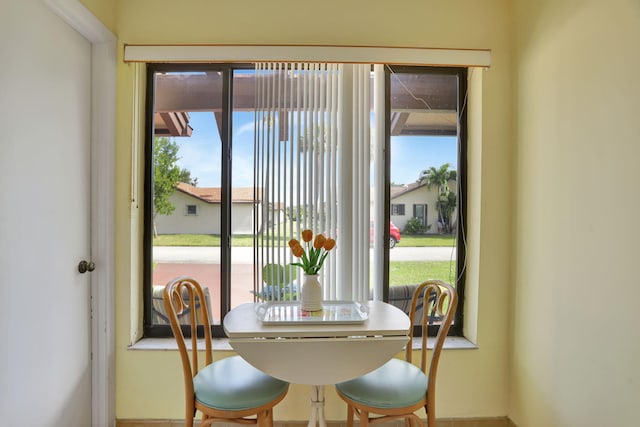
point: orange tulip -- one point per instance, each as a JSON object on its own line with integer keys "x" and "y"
{"x": 329, "y": 244}
{"x": 312, "y": 258}
{"x": 318, "y": 243}
{"x": 293, "y": 242}
{"x": 298, "y": 251}
{"x": 296, "y": 248}
{"x": 307, "y": 235}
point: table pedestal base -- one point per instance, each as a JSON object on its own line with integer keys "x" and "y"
{"x": 317, "y": 407}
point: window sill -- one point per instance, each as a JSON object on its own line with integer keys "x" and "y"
{"x": 170, "y": 344}
{"x": 222, "y": 344}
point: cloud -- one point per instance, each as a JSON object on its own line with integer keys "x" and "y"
{"x": 247, "y": 128}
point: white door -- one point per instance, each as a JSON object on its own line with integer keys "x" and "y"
{"x": 45, "y": 319}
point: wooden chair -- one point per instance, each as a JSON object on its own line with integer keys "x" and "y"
{"x": 230, "y": 389}
{"x": 399, "y": 388}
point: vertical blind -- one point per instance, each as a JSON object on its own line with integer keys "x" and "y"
{"x": 312, "y": 171}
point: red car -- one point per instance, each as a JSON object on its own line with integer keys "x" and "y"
{"x": 394, "y": 234}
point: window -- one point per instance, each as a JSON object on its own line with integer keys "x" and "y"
{"x": 397, "y": 209}
{"x": 198, "y": 115}
{"x": 420, "y": 213}
{"x": 192, "y": 209}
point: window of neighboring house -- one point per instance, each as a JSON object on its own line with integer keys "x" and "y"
{"x": 420, "y": 212}
{"x": 397, "y": 209}
{"x": 192, "y": 209}
{"x": 200, "y": 114}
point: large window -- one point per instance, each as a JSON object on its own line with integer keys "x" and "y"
{"x": 201, "y": 146}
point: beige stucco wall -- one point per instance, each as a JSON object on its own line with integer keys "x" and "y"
{"x": 472, "y": 382}
{"x": 420, "y": 196}
{"x": 575, "y": 311}
{"x": 206, "y": 221}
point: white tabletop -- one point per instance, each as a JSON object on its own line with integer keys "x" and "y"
{"x": 383, "y": 320}
{"x": 318, "y": 353}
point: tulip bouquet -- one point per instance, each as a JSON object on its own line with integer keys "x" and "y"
{"x": 314, "y": 254}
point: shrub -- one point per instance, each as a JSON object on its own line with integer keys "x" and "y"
{"x": 415, "y": 226}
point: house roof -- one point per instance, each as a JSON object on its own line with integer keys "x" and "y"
{"x": 399, "y": 190}
{"x": 214, "y": 194}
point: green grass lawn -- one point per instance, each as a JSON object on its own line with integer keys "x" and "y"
{"x": 415, "y": 272}
{"x": 426, "y": 240}
{"x": 247, "y": 240}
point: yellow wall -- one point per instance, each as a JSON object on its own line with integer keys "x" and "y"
{"x": 105, "y": 10}
{"x": 575, "y": 348}
{"x": 472, "y": 382}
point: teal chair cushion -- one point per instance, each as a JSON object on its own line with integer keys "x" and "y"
{"x": 395, "y": 384}
{"x": 233, "y": 384}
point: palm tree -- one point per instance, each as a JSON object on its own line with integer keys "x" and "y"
{"x": 440, "y": 177}
{"x": 447, "y": 206}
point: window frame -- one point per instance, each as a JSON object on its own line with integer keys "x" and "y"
{"x": 398, "y": 209}
{"x": 457, "y": 326}
{"x": 155, "y": 330}
{"x": 187, "y": 210}
{"x": 424, "y": 220}
{"x": 150, "y": 329}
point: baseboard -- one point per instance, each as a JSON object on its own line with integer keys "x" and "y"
{"x": 444, "y": 422}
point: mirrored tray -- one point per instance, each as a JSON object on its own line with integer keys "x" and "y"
{"x": 290, "y": 313}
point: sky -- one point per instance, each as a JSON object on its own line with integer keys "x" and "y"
{"x": 410, "y": 155}
{"x": 201, "y": 152}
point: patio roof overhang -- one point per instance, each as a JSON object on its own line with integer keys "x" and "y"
{"x": 422, "y": 104}
{"x": 172, "y": 123}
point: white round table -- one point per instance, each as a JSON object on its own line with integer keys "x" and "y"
{"x": 320, "y": 353}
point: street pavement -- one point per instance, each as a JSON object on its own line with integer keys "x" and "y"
{"x": 245, "y": 255}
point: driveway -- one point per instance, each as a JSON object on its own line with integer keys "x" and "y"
{"x": 204, "y": 264}
{"x": 244, "y": 255}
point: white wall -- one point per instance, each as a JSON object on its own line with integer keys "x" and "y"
{"x": 576, "y": 351}
{"x": 207, "y": 220}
